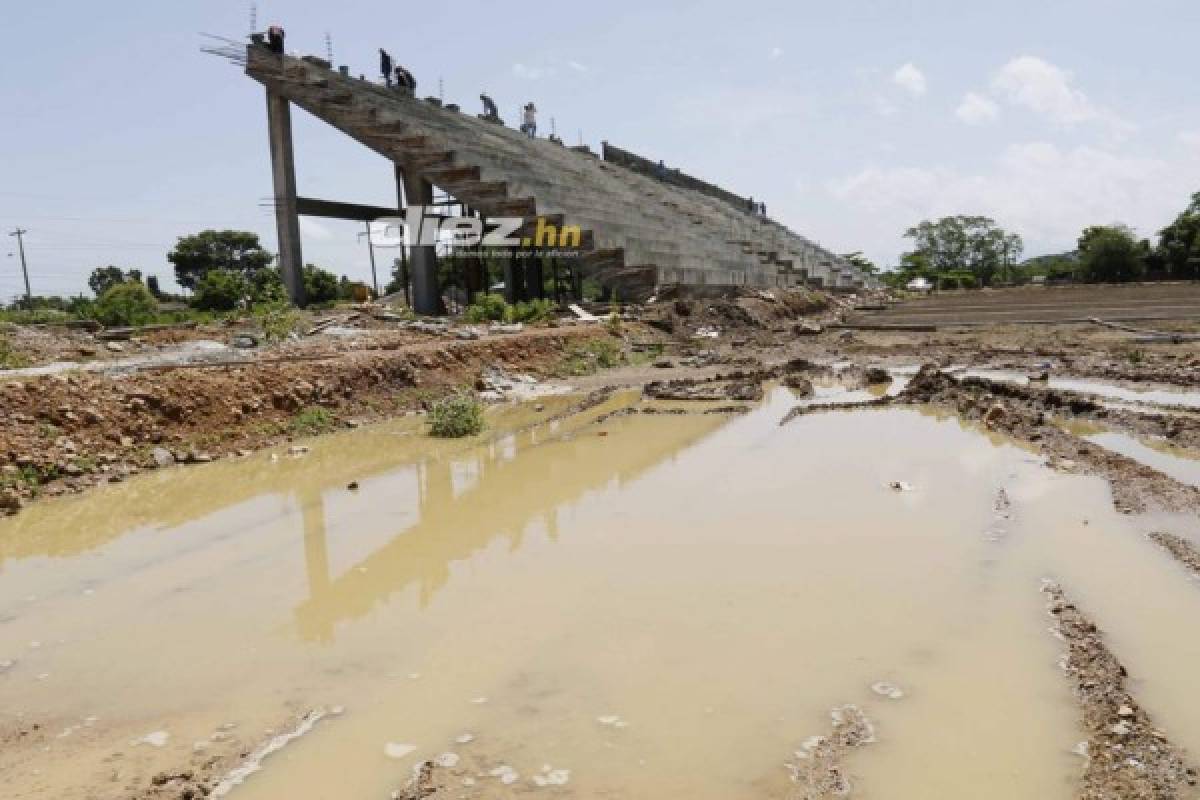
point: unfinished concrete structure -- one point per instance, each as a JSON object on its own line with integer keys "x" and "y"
{"x": 642, "y": 232}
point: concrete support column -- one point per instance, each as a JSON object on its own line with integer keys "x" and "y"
{"x": 283, "y": 173}
{"x": 422, "y": 260}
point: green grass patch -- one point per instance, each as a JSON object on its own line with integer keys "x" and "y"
{"x": 456, "y": 416}
{"x": 312, "y": 421}
{"x": 590, "y": 357}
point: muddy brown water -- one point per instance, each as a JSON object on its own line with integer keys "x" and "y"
{"x": 668, "y": 609}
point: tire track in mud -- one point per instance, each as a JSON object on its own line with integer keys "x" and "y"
{"x": 1127, "y": 757}
{"x": 1182, "y": 549}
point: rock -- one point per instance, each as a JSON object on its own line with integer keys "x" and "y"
{"x": 197, "y": 457}
{"x": 877, "y": 375}
{"x": 807, "y": 329}
{"x": 352, "y": 486}
{"x": 994, "y": 415}
{"x": 244, "y": 341}
{"x": 664, "y": 363}
{"x": 162, "y": 457}
{"x": 749, "y": 391}
{"x": 10, "y": 500}
{"x": 799, "y": 384}
{"x": 114, "y": 347}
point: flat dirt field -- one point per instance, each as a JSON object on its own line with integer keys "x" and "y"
{"x": 1166, "y": 301}
{"x": 772, "y": 546}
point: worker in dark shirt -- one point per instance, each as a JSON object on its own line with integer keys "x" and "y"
{"x": 489, "y": 107}
{"x": 385, "y": 66}
{"x": 405, "y": 82}
{"x": 275, "y": 39}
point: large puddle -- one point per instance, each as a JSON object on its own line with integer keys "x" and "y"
{"x": 656, "y": 606}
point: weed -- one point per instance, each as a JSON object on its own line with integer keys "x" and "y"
{"x": 586, "y": 358}
{"x": 9, "y": 358}
{"x": 277, "y": 322}
{"x": 456, "y": 416}
{"x": 312, "y": 421}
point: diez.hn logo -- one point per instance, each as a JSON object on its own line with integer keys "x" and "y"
{"x": 419, "y": 229}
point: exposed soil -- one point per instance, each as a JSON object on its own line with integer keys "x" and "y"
{"x": 1183, "y": 549}
{"x": 1127, "y": 757}
{"x": 64, "y": 433}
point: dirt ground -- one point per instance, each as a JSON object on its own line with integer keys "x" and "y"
{"x": 65, "y": 432}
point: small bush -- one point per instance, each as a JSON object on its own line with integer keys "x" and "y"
{"x": 266, "y": 287}
{"x": 486, "y": 308}
{"x": 277, "y": 322}
{"x": 533, "y": 311}
{"x": 456, "y": 416}
{"x": 126, "y": 304}
{"x": 320, "y": 286}
{"x": 220, "y": 290}
{"x": 312, "y": 421}
{"x": 9, "y": 358}
{"x": 584, "y": 359}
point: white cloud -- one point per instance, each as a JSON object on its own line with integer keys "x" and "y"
{"x": 527, "y": 72}
{"x": 575, "y": 65}
{"x": 1190, "y": 140}
{"x": 976, "y": 109}
{"x": 1049, "y": 90}
{"x": 910, "y": 79}
{"x": 775, "y": 53}
{"x": 1046, "y": 193}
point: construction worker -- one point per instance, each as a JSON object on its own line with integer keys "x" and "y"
{"x": 489, "y": 107}
{"x": 385, "y": 66}
{"x": 529, "y": 125}
{"x": 405, "y": 82}
{"x": 275, "y": 39}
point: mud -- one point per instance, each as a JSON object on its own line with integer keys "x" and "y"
{"x": 1127, "y": 757}
{"x": 1183, "y": 549}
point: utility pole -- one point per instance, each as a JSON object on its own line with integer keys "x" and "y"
{"x": 371, "y": 250}
{"x": 19, "y": 232}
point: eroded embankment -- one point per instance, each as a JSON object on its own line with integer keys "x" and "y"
{"x": 1127, "y": 756}
{"x": 63, "y": 433}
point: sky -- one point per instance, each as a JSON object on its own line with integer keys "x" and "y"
{"x": 853, "y": 120}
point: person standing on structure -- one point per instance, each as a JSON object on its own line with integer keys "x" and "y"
{"x": 405, "y": 81}
{"x": 529, "y": 123}
{"x": 385, "y": 66}
{"x": 275, "y": 39}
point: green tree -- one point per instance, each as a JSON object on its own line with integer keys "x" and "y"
{"x": 971, "y": 243}
{"x": 231, "y": 251}
{"x": 320, "y": 285}
{"x": 1111, "y": 254}
{"x": 866, "y": 265}
{"x": 102, "y": 278}
{"x": 221, "y": 290}
{"x": 267, "y": 289}
{"x": 1179, "y": 243}
{"x": 128, "y": 303}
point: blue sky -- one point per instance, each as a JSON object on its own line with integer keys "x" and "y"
{"x": 852, "y": 119}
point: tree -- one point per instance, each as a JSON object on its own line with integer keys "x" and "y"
{"x": 974, "y": 244}
{"x": 1110, "y": 253}
{"x": 128, "y": 303}
{"x": 1179, "y": 243}
{"x": 866, "y": 265}
{"x": 221, "y": 290}
{"x": 320, "y": 285}
{"x": 231, "y": 251}
{"x": 267, "y": 289}
{"x": 102, "y": 278}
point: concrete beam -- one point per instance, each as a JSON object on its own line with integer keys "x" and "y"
{"x": 332, "y": 209}
{"x": 283, "y": 174}
{"x": 422, "y": 260}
